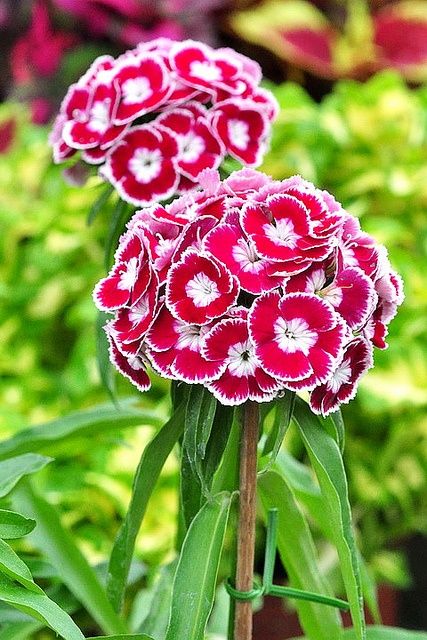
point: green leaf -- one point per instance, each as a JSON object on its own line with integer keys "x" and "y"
{"x": 39, "y": 606}
{"x": 13, "y": 469}
{"x": 58, "y": 546}
{"x": 13, "y": 525}
{"x": 338, "y": 422}
{"x": 195, "y": 579}
{"x": 119, "y": 217}
{"x": 190, "y": 491}
{"x": 300, "y": 480}
{"x": 217, "y": 442}
{"x": 106, "y": 371}
{"x": 101, "y": 419}
{"x": 199, "y": 417}
{"x": 15, "y": 569}
{"x": 146, "y": 476}
{"x": 320, "y": 622}
{"x": 156, "y": 620}
{"x": 284, "y": 407}
{"x": 99, "y": 203}
{"x": 135, "y": 636}
{"x": 20, "y": 630}
{"x": 327, "y": 462}
{"x": 383, "y": 633}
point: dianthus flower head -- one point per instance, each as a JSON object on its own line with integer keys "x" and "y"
{"x": 250, "y": 287}
{"x": 156, "y": 116}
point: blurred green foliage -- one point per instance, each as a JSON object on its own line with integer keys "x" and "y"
{"x": 367, "y": 144}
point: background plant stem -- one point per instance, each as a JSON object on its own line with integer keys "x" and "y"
{"x": 247, "y": 516}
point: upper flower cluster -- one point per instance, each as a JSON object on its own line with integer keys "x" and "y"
{"x": 250, "y": 286}
{"x": 159, "y": 114}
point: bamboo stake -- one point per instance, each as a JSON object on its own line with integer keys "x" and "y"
{"x": 247, "y": 518}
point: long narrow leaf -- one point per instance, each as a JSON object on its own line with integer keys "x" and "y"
{"x": 99, "y": 203}
{"x": 308, "y": 493}
{"x": 13, "y": 525}
{"x": 284, "y": 407}
{"x": 15, "y": 569}
{"x": 105, "y": 368}
{"x": 298, "y": 554}
{"x": 101, "y": 419}
{"x": 195, "y": 579}
{"x": 58, "y": 546}
{"x": 137, "y": 636}
{"x": 156, "y": 620}
{"x": 327, "y": 462}
{"x": 190, "y": 491}
{"x": 217, "y": 442}
{"x": 119, "y": 217}
{"x": 40, "y": 607}
{"x": 13, "y": 469}
{"x": 147, "y": 473}
{"x": 199, "y": 417}
{"x": 20, "y": 630}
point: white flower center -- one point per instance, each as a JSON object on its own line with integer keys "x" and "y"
{"x": 135, "y": 363}
{"x": 193, "y": 147}
{"x": 242, "y": 362}
{"x": 189, "y": 336}
{"x": 245, "y": 255}
{"x": 202, "y": 290}
{"x": 333, "y": 295}
{"x": 136, "y": 90}
{"x": 341, "y": 376}
{"x": 316, "y": 281}
{"x": 205, "y": 70}
{"x": 294, "y": 335}
{"x": 145, "y": 164}
{"x": 128, "y": 275}
{"x": 99, "y": 116}
{"x": 282, "y": 233}
{"x": 238, "y": 132}
{"x": 139, "y": 311}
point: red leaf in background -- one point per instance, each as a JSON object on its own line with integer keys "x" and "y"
{"x": 402, "y": 40}
{"x": 7, "y": 134}
{"x": 311, "y": 47}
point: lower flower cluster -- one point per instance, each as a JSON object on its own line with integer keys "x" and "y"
{"x": 250, "y": 286}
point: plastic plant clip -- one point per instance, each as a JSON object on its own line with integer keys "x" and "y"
{"x": 267, "y": 588}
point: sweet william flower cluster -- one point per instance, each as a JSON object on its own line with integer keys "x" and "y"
{"x": 156, "y": 116}
{"x": 250, "y": 287}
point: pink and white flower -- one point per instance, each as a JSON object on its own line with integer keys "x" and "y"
{"x": 228, "y": 243}
{"x": 204, "y": 68}
{"x": 143, "y": 84}
{"x": 283, "y": 231}
{"x": 341, "y": 387}
{"x": 175, "y": 350}
{"x": 198, "y": 148}
{"x": 92, "y": 123}
{"x": 129, "y": 278}
{"x": 142, "y": 166}
{"x": 131, "y": 367}
{"x": 297, "y": 337}
{"x": 349, "y": 291}
{"x": 200, "y": 288}
{"x": 228, "y": 343}
{"x": 242, "y": 128}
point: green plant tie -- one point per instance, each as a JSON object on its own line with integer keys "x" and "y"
{"x": 267, "y": 588}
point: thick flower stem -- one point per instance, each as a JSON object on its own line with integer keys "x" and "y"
{"x": 247, "y": 517}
